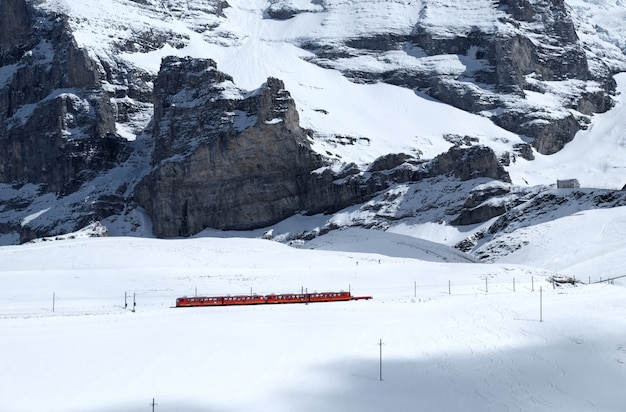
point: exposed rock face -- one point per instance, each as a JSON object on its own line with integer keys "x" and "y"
{"x": 388, "y": 162}
{"x": 229, "y": 159}
{"x": 223, "y": 158}
{"x": 533, "y": 207}
{"x": 480, "y": 207}
{"x": 57, "y": 126}
{"x": 285, "y": 9}
{"x": 471, "y": 163}
{"x": 530, "y": 45}
{"x": 16, "y": 21}
{"x": 517, "y": 55}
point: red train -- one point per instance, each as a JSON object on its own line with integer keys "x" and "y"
{"x": 267, "y": 299}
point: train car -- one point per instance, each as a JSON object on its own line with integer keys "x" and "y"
{"x": 244, "y": 300}
{"x": 199, "y": 301}
{"x": 330, "y": 297}
{"x": 267, "y": 299}
{"x": 287, "y": 298}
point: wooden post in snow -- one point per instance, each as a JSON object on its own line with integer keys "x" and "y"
{"x": 540, "y": 304}
{"x": 380, "y": 364}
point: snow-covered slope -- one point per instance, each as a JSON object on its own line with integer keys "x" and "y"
{"x": 382, "y": 118}
{"x": 584, "y": 244}
{"x": 455, "y": 336}
{"x": 387, "y": 244}
{"x": 595, "y": 157}
{"x": 377, "y": 118}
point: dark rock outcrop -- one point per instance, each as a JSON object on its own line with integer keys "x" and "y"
{"x": 16, "y": 20}
{"x": 535, "y": 207}
{"x": 530, "y": 45}
{"x": 470, "y": 163}
{"x": 388, "y": 162}
{"x": 480, "y": 207}
{"x": 223, "y": 158}
{"x": 478, "y": 214}
{"x": 57, "y": 125}
{"x": 230, "y": 159}
{"x": 285, "y": 9}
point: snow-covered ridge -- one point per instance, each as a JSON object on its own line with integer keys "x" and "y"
{"x": 251, "y": 47}
{"x": 94, "y": 229}
{"x": 348, "y": 121}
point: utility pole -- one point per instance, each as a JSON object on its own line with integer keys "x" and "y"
{"x": 53, "y": 299}
{"x": 125, "y": 300}
{"x": 540, "y": 304}
{"x": 380, "y": 365}
{"x": 134, "y": 302}
{"x": 153, "y": 404}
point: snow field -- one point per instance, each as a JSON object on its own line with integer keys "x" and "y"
{"x": 471, "y": 349}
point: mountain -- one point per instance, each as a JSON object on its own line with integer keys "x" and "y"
{"x": 446, "y": 122}
{"x": 460, "y": 162}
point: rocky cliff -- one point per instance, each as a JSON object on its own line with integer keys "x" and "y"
{"x": 223, "y": 158}
{"x": 230, "y": 159}
{"x": 57, "y": 125}
{"x": 88, "y": 131}
{"x": 515, "y": 47}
